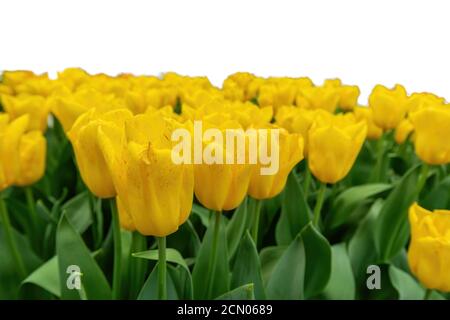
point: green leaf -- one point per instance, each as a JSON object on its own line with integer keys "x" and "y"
{"x": 9, "y": 278}
{"x": 392, "y": 228}
{"x": 203, "y": 273}
{"x": 46, "y": 277}
{"x": 150, "y": 289}
{"x": 304, "y": 269}
{"x": 295, "y": 212}
{"x": 438, "y": 197}
{"x": 361, "y": 246}
{"x": 185, "y": 240}
{"x": 244, "y": 292}
{"x": 349, "y": 200}
{"x": 182, "y": 281}
{"x": 269, "y": 257}
{"x": 203, "y": 213}
{"x": 342, "y": 283}
{"x": 78, "y": 212}
{"x": 406, "y": 286}
{"x": 71, "y": 250}
{"x": 236, "y": 227}
{"x": 318, "y": 261}
{"x": 172, "y": 255}
{"x": 247, "y": 267}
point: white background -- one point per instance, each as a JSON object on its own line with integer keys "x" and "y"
{"x": 362, "y": 42}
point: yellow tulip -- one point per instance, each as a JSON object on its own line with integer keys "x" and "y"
{"x": 389, "y": 106}
{"x": 403, "y": 130}
{"x": 14, "y": 78}
{"x": 221, "y": 186}
{"x": 66, "y": 110}
{"x": 319, "y": 98}
{"x": 4, "y": 89}
{"x": 35, "y": 106}
{"x": 290, "y": 153}
{"x": 91, "y": 162}
{"x": 348, "y": 97}
{"x": 72, "y": 77}
{"x": 155, "y": 193}
{"x": 10, "y": 136}
{"x": 429, "y": 248}
{"x": 431, "y": 133}
{"x": 334, "y": 144}
{"x": 364, "y": 113}
{"x": 32, "y": 152}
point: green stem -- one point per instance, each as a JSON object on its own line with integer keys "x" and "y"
{"x": 319, "y": 204}
{"x": 212, "y": 261}
{"x": 428, "y": 294}
{"x": 422, "y": 179}
{"x": 307, "y": 181}
{"x": 257, "y": 214}
{"x": 32, "y": 207}
{"x": 162, "y": 267}
{"x": 10, "y": 239}
{"x": 117, "y": 271}
{"x": 380, "y": 155}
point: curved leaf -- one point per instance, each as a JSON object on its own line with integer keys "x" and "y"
{"x": 71, "y": 250}
{"x": 295, "y": 212}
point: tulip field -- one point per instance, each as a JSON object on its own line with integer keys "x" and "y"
{"x": 141, "y": 187}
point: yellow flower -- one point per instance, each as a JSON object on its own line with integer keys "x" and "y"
{"x": 299, "y": 120}
{"x": 334, "y": 144}
{"x": 4, "y": 89}
{"x": 319, "y": 98}
{"x": 66, "y": 110}
{"x": 10, "y": 135}
{"x": 155, "y": 193}
{"x": 14, "y": 78}
{"x": 348, "y": 97}
{"x": 72, "y": 77}
{"x": 290, "y": 153}
{"x": 429, "y": 249}
{"x": 364, "y": 113}
{"x": 91, "y": 162}
{"x": 432, "y": 130}
{"x": 35, "y": 106}
{"x": 222, "y": 186}
{"x": 389, "y": 106}
{"x": 403, "y": 130}
{"x": 33, "y": 149}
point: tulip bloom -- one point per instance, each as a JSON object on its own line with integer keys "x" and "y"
{"x": 35, "y": 106}
{"x": 155, "y": 195}
{"x": 291, "y": 153}
{"x": 429, "y": 249}
{"x": 91, "y": 162}
{"x": 403, "y": 130}
{"x": 10, "y": 136}
{"x": 389, "y": 106}
{"x": 432, "y": 129}
{"x": 32, "y": 152}
{"x": 222, "y": 186}
{"x": 319, "y": 98}
{"x": 334, "y": 145}
{"x": 364, "y": 113}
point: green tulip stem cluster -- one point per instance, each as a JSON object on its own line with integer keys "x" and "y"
{"x": 422, "y": 178}
{"x": 213, "y": 258}
{"x": 32, "y": 208}
{"x": 257, "y": 215}
{"x": 307, "y": 182}
{"x": 10, "y": 239}
{"x": 162, "y": 268}
{"x": 319, "y": 203}
{"x": 117, "y": 269}
{"x": 379, "y": 161}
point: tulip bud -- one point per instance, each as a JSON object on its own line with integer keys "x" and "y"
{"x": 334, "y": 145}
{"x": 429, "y": 248}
